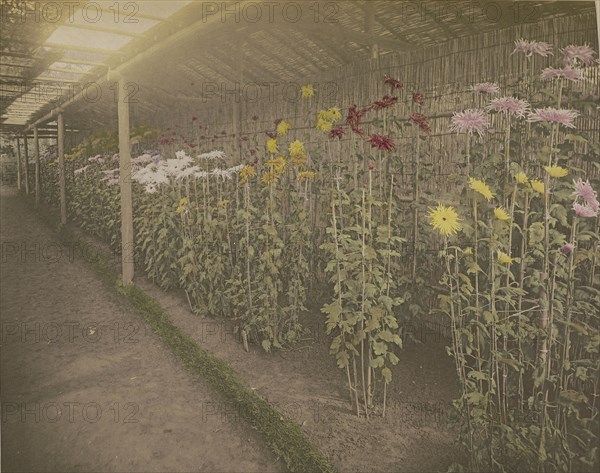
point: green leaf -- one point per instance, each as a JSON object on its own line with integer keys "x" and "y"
{"x": 387, "y": 375}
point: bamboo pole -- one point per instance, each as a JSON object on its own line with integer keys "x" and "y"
{"x": 26, "y": 155}
{"x": 126, "y": 193}
{"x": 18, "y": 163}
{"x": 61, "y": 167}
{"x": 36, "y": 150}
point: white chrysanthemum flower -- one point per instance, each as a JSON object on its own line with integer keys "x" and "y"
{"x": 201, "y": 174}
{"x": 81, "y": 170}
{"x": 187, "y": 172}
{"x": 143, "y": 159}
{"x": 212, "y": 155}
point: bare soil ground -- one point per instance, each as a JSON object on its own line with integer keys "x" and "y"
{"x": 418, "y": 433}
{"x": 84, "y": 387}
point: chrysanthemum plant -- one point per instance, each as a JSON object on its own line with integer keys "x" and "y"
{"x": 522, "y": 289}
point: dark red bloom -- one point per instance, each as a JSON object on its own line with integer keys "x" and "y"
{"x": 385, "y": 102}
{"x": 418, "y": 98}
{"x": 394, "y": 83}
{"x": 174, "y": 133}
{"x": 194, "y": 119}
{"x": 371, "y": 166}
{"x": 278, "y": 121}
{"x": 200, "y": 127}
{"x": 382, "y": 142}
{"x": 255, "y": 117}
{"x": 192, "y": 146}
{"x": 354, "y": 117}
{"x": 244, "y": 138}
{"x": 420, "y": 120}
{"x": 337, "y": 132}
{"x": 271, "y": 134}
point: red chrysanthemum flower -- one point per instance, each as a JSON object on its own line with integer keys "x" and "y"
{"x": 385, "y": 102}
{"x": 382, "y": 142}
{"x": 337, "y": 132}
{"x": 421, "y": 121}
{"x": 394, "y": 83}
{"x": 418, "y": 98}
{"x": 354, "y": 117}
{"x": 194, "y": 119}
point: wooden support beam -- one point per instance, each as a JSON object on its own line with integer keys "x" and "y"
{"x": 347, "y": 34}
{"x": 127, "y": 246}
{"x": 18, "y": 163}
{"x": 102, "y": 29}
{"x": 60, "y": 122}
{"x": 26, "y": 156}
{"x": 36, "y": 150}
{"x": 369, "y": 25}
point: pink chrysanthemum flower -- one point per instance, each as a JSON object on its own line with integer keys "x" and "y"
{"x": 565, "y": 73}
{"x": 567, "y": 248}
{"x": 509, "y": 105}
{"x": 556, "y": 115}
{"x": 584, "y": 190}
{"x": 382, "y": 142}
{"x": 584, "y": 210}
{"x": 578, "y": 55}
{"x": 469, "y": 121}
{"x": 529, "y": 48}
{"x": 486, "y": 88}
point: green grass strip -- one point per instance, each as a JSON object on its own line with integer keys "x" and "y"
{"x": 283, "y": 435}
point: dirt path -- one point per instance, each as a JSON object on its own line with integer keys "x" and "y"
{"x": 84, "y": 387}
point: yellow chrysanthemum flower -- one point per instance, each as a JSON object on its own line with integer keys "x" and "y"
{"x": 556, "y": 171}
{"x": 503, "y": 258}
{"x": 277, "y": 164}
{"x": 327, "y": 118}
{"x": 444, "y": 220}
{"x": 297, "y": 153}
{"x": 223, "y": 203}
{"x": 335, "y": 113}
{"x": 307, "y": 91}
{"x": 246, "y": 173}
{"x": 468, "y": 251}
{"x": 501, "y": 214}
{"x": 182, "y": 205}
{"x": 538, "y": 186}
{"x": 272, "y": 146}
{"x": 283, "y": 127}
{"x": 306, "y": 175}
{"x": 268, "y": 178}
{"x": 521, "y": 178}
{"x": 481, "y": 187}
{"x": 324, "y": 125}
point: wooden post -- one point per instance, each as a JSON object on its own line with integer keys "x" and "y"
{"x": 60, "y": 141}
{"x": 36, "y": 150}
{"x": 18, "y": 164}
{"x": 26, "y": 155}
{"x": 127, "y": 249}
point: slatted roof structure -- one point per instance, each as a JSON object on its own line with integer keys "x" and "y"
{"x": 54, "y": 54}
